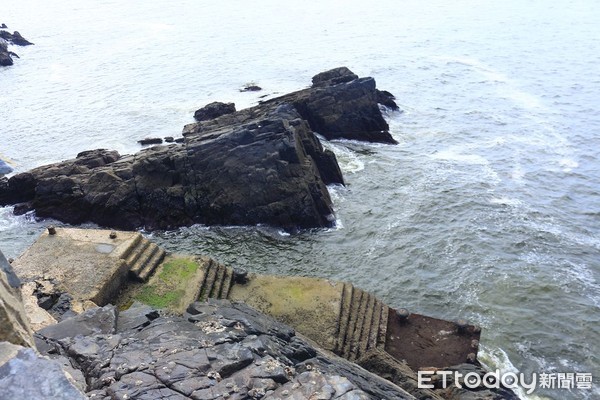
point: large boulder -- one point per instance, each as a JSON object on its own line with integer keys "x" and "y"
{"x": 24, "y": 374}
{"x": 257, "y": 171}
{"x": 261, "y": 165}
{"x": 214, "y": 110}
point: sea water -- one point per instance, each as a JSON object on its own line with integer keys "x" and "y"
{"x": 487, "y": 209}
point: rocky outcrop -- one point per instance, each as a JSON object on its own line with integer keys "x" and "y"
{"x": 24, "y": 374}
{"x": 10, "y": 38}
{"x": 262, "y": 165}
{"x": 259, "y": 165}
{"x": 339, "y": 105}
{"x": 216, "y": 350}
{"x": 14, "y": 325}
{"x": 214, "y": 110}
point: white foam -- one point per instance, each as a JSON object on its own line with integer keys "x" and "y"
{"x": 505, "y": 201}
{"x": 450, "y": 155}
{"x": 568, "y": 164}
{"x": 348, "y": 160}
{"x": 497, "y": 358}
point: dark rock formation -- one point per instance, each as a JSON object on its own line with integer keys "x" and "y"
{"x": 26, "y": 375}
{"x": 340, "y": 105}
{"x": 217, "y": 350}
{"x": 258, "y": 165}
{"x": 214, "y": 110}
{"x": 251, "y": 88}
{"x": 147, "y": 141}
{"x": 20, "y": 40}
{"x": 5, "y": 56}
{"x": 6, "y": 38}
{"x": 333, "y": 77}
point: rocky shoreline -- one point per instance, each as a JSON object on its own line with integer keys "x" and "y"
{"x": 261, "y": 165}
{"x": 6, "y": 38}
{"x": 55, "y": 344}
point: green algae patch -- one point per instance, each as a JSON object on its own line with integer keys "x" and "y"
{"x": 174, "y": 285}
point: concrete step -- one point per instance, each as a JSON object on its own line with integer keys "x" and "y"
{"x": 362, "y": 311}
{"x": 142, "y": 259}
{"x": 357, "y": 297}
{"x": 366, "y": 326}
{"x": 209, "y": 281}
{"x": 219, "y": 277}
{"x": 137, "y": 251}
{"x": 132, "y": 246}
{"x": 344, "y": 317}
{"x": 151, "y": 265}
{"x": 371, "y": 340}
{"x": 383, "y": 323}
{"x": 226, "y": 283}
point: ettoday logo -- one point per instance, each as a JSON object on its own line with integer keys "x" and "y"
{"x": 496, "y": 380}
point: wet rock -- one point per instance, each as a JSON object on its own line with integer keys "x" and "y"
{"x": 257, "y": 172}
{"x": 148, "y": 141}
{"x": 6, "y": 55}
{"x": 387, "y": 99}
{"x": 251, "y": 88}
{"x": 20, "y": 40}
{"x": 262, "y": 165}
{"x": 26, "y": 375}
{"x": 214, "y": 110}
{"x": 5, "y": 61}
{"x": 333, "y": 77}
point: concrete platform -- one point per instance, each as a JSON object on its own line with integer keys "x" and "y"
{"x": 89, "y": 264}
{"x": 98, "y": 265}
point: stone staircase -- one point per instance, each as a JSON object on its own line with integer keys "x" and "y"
{"x": 362, "y": 323}
{"x": 217, "y": 281}
{"x": 142, "y": 257}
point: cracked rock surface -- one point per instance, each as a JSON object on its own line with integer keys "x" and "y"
{"x": 217, "y": 350}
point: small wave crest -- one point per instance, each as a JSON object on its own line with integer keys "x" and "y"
{"x": 348, "y": 160}
{"x": 497, "y": 358}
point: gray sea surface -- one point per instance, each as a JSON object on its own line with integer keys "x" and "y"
{"x": 488, "y": 209}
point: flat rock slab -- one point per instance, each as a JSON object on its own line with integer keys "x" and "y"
{"x": 86, "y": 263}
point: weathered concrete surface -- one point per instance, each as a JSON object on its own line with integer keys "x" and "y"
{"x": 422, "y": 341}
{"x": 14, "y": 325}
{"x": 86, "y": 263}
{"x": 310, "y": 305}
{"x": 339, "y": 317}
{"x": 24, "y": 374}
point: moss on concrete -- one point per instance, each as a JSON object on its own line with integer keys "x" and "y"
{"x": 173, "y": 286}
